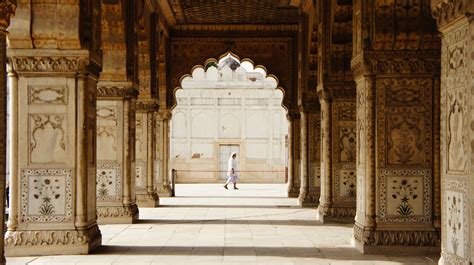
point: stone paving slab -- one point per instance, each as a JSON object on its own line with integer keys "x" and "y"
{"x": 206, "y": 224}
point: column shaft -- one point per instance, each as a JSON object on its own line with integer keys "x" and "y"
{"x": 146, "y": 185}
{"x": 116, "y": 153}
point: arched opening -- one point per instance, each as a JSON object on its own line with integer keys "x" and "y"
{"x": 224, "y": 106}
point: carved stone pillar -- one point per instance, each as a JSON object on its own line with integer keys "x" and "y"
{"x": 304, "y": 174}
{"x": 457, "y": 129}
{"x": 116, "y": 153}
{"x": 7, "y": 8}
{"x": 293, "y": 154}
{"x": 310, "y": 153}
{"x": 325, "y": 202}
{"x": 395, "y": 159}
{"x": 162, "y": 173}
{"x": 53, "y": 123}
{"x": 53, "y": 196}
{"x": 338, "y": 198}
{"x": 145, "y": 154}
{"x": 397, "y": 79}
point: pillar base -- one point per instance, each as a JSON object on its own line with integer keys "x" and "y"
{"x": 164, "y": 190}
{"x": 310, "y": 200}
{"x": 293, "y": 192}
{"x": 332, "y": 214}
{"x": 405, "y": 242}
{"x": 52, "y": 242}
{"x": 117, "y": 214}
{"x": 148, "y": 200}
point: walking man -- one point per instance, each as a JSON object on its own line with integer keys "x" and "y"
{"x": 231, "y": 171}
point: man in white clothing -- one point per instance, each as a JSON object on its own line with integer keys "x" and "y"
{"x": 231, "y": 171}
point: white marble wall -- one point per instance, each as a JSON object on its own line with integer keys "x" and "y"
{"x": 228, "y": 107}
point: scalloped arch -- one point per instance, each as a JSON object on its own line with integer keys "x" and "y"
{"x": 245, "y": 61}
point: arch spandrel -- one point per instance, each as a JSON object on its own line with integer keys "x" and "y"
{"x": 276, "y": 54}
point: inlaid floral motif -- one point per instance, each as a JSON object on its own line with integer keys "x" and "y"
{"x": 46, "y": 190}
{"x": 454, "y": 221}
{"x": 404, "y": 191}
{"x": 108, "y": 181}
{"x": 46, "y": 195}
{"x": 348, "y": 180}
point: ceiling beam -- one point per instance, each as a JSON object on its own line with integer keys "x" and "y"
{"x": 167, "y": 12}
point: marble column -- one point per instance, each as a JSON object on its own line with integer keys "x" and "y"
{"x": 397, "y": 82}
{"x": 145, "y": 184}
{"x": 310, "y": 158}
{"x": 162, "y": 173}
{"x": 304, "y": 174}
{"x": 116, "y": 152}
{"x": 325, "y": 202}
{"x": 53, "y": 191}
{"x": 338, "y": 178}
{"x": 454, "y": 20}
{"x": 7, "y": 8}
{"x": 54, "y": 77}
{"x": 293, "y": 153}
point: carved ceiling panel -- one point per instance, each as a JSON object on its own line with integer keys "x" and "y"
{"x": 233, "y": 12}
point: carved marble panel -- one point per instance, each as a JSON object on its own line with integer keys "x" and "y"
{"x": 48, "y": 138}
{"x": 404, "y": 139}
{"x": 109, "y": 181}
{"x": 47, "y": 95}
{"x": 108, "y": 130}
{"x": 46, "y": 195}
{"x": 457, "y": 110}
{"x": 141, "y": 136}
{"x": 344, "y": 151}
{"x": 456, "y": 218}
{"x": 405, "y": 196}
{"x": 346, "y": 111}
{"x": 405, "y": 92}
{"x": 347, "y": 144}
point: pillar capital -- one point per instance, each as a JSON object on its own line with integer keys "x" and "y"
{"x": 51, "y": 61}
{"x": 396, "y": 62}
{"x": 116, "y": 90}
{"x": 448, "y": 11}
{"x": 164, "y": 114}
{"x": 147, "y": 105}
{"x": 7, "y": 9}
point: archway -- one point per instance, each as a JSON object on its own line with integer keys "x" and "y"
{"x": 229, "y": 105}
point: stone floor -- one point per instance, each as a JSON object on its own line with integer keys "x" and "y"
{"x": 206, "y": 224}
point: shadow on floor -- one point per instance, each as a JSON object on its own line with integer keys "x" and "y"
{"x": 233, "y": 206}
{"x": 232, "y": 197}
{"x": 346, "y": 253}
{"x": 238, "y": 222}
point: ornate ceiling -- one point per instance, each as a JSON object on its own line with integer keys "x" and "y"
{"x": 233, "y": 12}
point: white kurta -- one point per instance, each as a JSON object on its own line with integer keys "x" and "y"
{"x": 232, "y": 164}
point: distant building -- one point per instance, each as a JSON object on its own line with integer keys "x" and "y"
{"x": 223, "y": 108}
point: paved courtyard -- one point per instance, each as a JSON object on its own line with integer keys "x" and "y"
{"x": 206, "y": 224}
